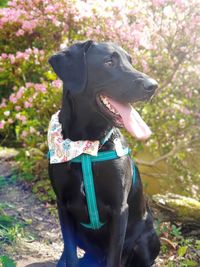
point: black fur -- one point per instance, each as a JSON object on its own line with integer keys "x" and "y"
{"x": 128, "y": 238}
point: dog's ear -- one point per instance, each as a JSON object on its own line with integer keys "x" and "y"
{"x": 70, "y": 66}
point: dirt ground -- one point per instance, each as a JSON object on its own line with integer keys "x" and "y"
{"x": 45, "y": 247}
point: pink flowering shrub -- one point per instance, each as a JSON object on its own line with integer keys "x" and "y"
{"x": 20, "y": 68}
{"x": 33, "y": 23}
{"x": 162, "y": 36}
{"x": 27, "y": 110}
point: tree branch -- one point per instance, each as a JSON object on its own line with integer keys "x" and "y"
{"x": 161, "y": 158}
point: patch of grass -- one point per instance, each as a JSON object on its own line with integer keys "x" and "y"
{"x": 4, "y": 181}
{"x": 11, "y": 228}
{"x": 6, "y": 262}
{"x": 178, "y": 250}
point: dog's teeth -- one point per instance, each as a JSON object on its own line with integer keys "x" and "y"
{"x": 108, "y": 105}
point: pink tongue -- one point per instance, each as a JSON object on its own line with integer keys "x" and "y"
{"x": 132, "y": 121}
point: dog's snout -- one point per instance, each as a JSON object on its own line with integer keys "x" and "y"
{"x": 150, "y": 84}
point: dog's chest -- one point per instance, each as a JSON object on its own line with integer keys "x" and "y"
{"x": 108, "y": 185}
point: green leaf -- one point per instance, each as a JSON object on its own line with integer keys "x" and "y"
{"x": 170, "y": 264}
{"x": 190, "y": 263}
{"x": 182, "y": 251}
{"x": 197, "y": 244}
{"x": 3, "y": 3}
{"x": 5, "y": 221}
{"x": 7, "y": 262}
{"x": 2, "y": 181}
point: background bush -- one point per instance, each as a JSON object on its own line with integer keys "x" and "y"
{"x": 162, "y": 36}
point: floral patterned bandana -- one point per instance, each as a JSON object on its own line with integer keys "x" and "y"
{"x": 64, "y": 150}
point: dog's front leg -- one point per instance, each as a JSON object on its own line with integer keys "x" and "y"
{"x": 69, "y": 255}
{"x": 118, "y": 230}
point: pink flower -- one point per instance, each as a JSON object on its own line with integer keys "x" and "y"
{"x": 19, "y": 55}
{"x": 40, "y": 87}
{"x": 12, "y": 58}
{"x": 2, "y": 105}
{"x": 185, "y": 111}
{"x": 20, "y": 32}
{"x": 57, "y": 83}
{"x": 158, "y": 3}
{"x": 17, "y": 108}
{"x": 28, "y": 25}
{"x": 144, "y": 65}
{"x": 10, "y": 121}
{"x": 29, "y": 85}
{"x": 27, "y": 104}
{"x": 49, "y": 9}
{"x": 20, "y": 117}
{"x": 13, "y": 98}
{"x": 4, "y": 56}
{"x": 20, "y": 92}
{"x": 24, "y": 134}
{"x": 36, "y": 51}
{"x": 41, "y": 52}
{"x": 2, "y": 123}
{"x": 28, "y": 51}
{"x": 197, "y": 114}
{"x": 23, "y": 118}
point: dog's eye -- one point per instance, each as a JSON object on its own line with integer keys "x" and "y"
{"x": 109, "y": 63}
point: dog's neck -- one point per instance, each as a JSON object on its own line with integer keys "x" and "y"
{"x": 82, "y": 122}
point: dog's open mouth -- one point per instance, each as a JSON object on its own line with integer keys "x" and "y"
{"x": 124, "y": 115}
{"x": 111, "y": 111}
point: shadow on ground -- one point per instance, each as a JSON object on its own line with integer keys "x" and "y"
{"x": 41, "y": 264}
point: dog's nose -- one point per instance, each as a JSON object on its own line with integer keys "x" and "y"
{"x": 150, "y": 84}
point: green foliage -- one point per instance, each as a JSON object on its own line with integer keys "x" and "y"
{"x": 176, "y": 231}
{"x": 3, "y": 3}
{"x": 182, "y": 251}
{"x": 12, "y": 232}
{"x": 6, "y": 262}
{"x": 197, "y": 244}
{"x": 33, "y": 168}
{"x": 2, "y": 181}
{"x": 10, "y": 229}
{"x": 44, "y": 191}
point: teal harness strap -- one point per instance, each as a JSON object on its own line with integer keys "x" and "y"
{"x": 86, "y": 163}
{"x": 102, "y": 156}
{"x": 90, "y": 193}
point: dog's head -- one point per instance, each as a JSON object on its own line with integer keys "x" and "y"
{"x": 99, "y": 80}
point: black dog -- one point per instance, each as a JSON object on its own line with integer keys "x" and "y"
{"x": 94, "y": 74}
